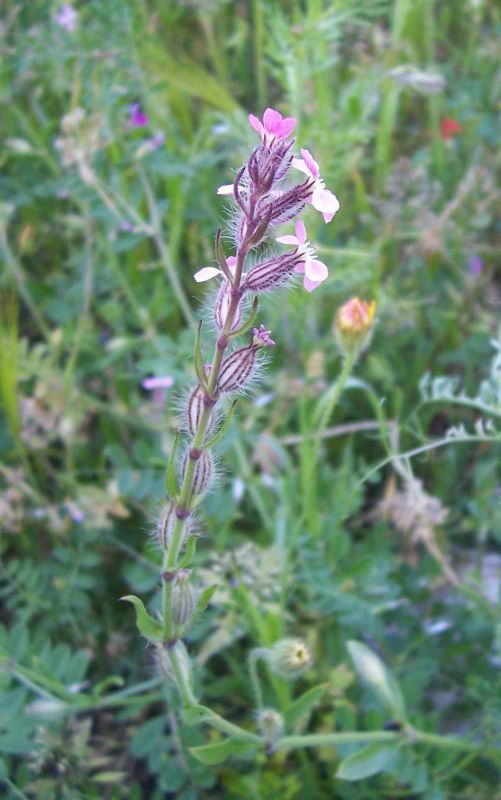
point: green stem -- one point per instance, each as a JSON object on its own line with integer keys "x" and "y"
{"x": 332, "y": 401}
{"x": 254, "y": 657}
{"x": 335, "y": 739}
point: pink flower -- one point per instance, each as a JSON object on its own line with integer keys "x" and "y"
{"x": 321, "y": 199}
{"x": 137, "y": 117}
{"x": 226, "y": 189}
{"x": 315, "y": 271}
{"x": 151, "y": 384}
{"x": 262, "y": 337}
{"x": 206, "y": 273}
{"x": 273, "y": 126}
{"x": 67, "y": 18}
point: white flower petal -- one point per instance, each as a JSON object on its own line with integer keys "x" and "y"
{"x": 288, "y": 239}
{"x": 226, "y": 189}
{"x": 316, "y": 270}
{"x": 206, "y": 273}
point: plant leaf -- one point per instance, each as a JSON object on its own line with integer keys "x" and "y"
{"x": 199, "y": 361}
{"x": 304, "y": 704}
{"x": 148, "y": 626}
{"x": 205, "y": 598}
{"x": 366, "y": 762}
{"x": 218, "y": 753}
{"x": 378, "y": 677}
{"x": 222, "y": 430}
{"x": 170, "y": 472}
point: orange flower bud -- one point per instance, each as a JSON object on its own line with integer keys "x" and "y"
{"x": 353, "y": 325}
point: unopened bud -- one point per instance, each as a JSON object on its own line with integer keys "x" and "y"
{"x": 271, "y": 274}
{"x": 289, "y": 658}
{"x": 223, "y": 300}
{"x": 290, "y": 204}
{"x": 237, "y": 369}
{"x": 194, "y": 410}
{"x": 165, "y": 667}
{"x": 353, "y": 325}
{"x": 203, "y": 471}
{"x": 183, "y": 598}
{"x": 270, "y": 724}
{"x": 166, "y": 523}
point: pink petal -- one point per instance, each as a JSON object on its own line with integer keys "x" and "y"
{"x": 309, "y": 285}
{"x": 299, "y": 269}
{"x": 206, "y": 273}
{"x": 256, "y": 124}
{"x": 272, "y": 121}
{"x": 231, "y": 261}
{"x": 226, "y": 189}
{"x": 325, "y": 202}
{"x": 299, "y": 164}
{"x": 288, "y": 239}
{"x": 287, "y": 126}
{"x": 316, "y": 270}
{"x": 300, "y": 231}
{"x": 158, "y": 383}
{"x": 310, "y": 162}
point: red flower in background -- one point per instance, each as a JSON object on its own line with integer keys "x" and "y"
{"x": 449, "y": 128}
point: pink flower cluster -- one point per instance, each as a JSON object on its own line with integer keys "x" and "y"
{"x": 264, "y": 202}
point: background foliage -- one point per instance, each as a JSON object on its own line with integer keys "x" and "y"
{"x": 100, "y": 233}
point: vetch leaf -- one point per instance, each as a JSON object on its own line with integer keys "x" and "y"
{"x": 366, "y": 762}
{"x": 378, "y": 677}
{"x": 147, "y": 625}
{"x": 211, "y": 754}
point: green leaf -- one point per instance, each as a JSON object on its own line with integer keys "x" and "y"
{"x": 221, "y": 258}
{"x": 378, "y": 677}
{"x": 194, "y": 715}
{"x": 205, "y": 598}
{"x": 148, "y": 626}
{"x": 304, "y": 705}
{"x": 366, "y": 762}
{"x": 211, "y": 754}
{"x": 199, "y": 361}
{"x": 170, "y": 472}
{"x": 222, "y": 430}
{"x": 249, "y": 321}
{"x": 188, "y": 553}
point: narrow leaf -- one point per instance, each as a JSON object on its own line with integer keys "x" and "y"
{"x": 188, "y": 553}
{"x": 221, "y": 258}
{"x": 148, "y": 626}
{"x": 249, "y": 322}
{"x": 378, "y": 677}
{"x": 304, "y": 705}
{"x": 366, "y": 762}
{"x": 218, "y": 753}
{"x": 194, "y": 715}
{"x": 199, "y": 362}
{"x": 222, "y": 430}
{"x": 205, "y": 598}
{"x": 170, "y": 472}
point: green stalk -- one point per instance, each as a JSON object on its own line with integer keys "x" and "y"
{"x": 348, "y": 364}
{"x": 335, "y": 739}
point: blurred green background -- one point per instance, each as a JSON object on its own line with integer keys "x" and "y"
{"x": 118, "y": 122}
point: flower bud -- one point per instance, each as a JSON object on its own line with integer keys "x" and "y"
{"x": 183, "y": 598}
{"x": 194, "y": 410}
{"x": 287, "y": 205}
{"x": 203, "y": 471}
{"x": 270, "y": 274}
{"x": 353, "y": 325}
{"x": 165, "y": 526}
{"x": 164, "y": 665}
{"x": 223, "y": 300}
{"x": 289, "y": 658}
{"x": 270, "y": 724}
{"x": 237, "y": 369}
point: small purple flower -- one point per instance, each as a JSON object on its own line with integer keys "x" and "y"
{"x": 475, "y": 265}
{"x": 315, "y": 271}
{"x": 165, "y": 382}
{"x": 137, "y": 117}
{"x": 126, "y": 226}
{"x": 321, "y": 198}
{"x": 67, "y": 18}
{"x": 262, "y": 337}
